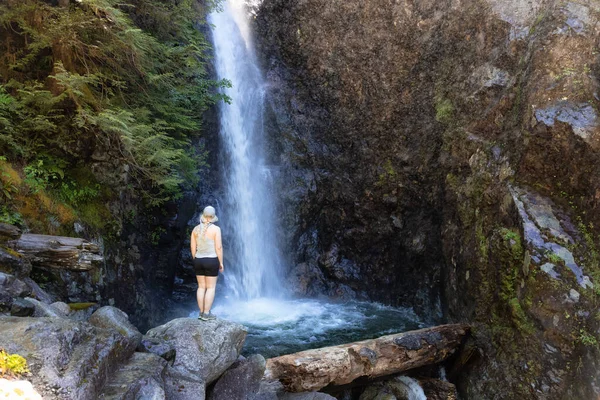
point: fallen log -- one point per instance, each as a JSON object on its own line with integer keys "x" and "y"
{"x": 314, "y": 369}
{"x": 60, "y": 252}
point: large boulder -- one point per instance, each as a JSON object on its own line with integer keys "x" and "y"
{"x": 241, "y": 381}
{"x": 142, "y": 377}
{"x": 205, "y": 349}
{"x": 71, "y": 357}
{"x": 112, "y": 318}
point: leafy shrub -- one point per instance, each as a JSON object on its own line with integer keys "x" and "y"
{"x": 12, "y": 364}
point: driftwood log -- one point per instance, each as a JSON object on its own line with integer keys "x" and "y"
{"x": 314, "y": 369}
{"x": 61, "y": 252}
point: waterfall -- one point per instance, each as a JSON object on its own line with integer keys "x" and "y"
{"x": 413, "y": 389}
{"x": 252, "y": 254}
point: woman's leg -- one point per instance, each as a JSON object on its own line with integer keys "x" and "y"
{"x": 211, "y": 284}
{"x": 200, "y": 294}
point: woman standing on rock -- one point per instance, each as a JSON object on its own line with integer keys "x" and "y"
{"x": 207, "y": 252}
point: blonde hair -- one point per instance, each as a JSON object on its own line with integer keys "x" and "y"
{"x": 208, "y": 211}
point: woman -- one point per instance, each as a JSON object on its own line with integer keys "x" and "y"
{"x": 207, "y": 252}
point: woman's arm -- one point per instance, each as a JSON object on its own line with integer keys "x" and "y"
{"x": 219, "y": 248}
{"x": 193, "y": 243}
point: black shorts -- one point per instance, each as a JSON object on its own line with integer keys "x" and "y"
{"x": 206, "y": 266}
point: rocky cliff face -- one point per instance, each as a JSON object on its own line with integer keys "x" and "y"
{"x": 448, "y": 151}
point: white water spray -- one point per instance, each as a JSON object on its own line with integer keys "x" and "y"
{"x": 249, "y": 207}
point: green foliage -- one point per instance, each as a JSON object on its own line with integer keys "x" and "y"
{"x": 587, "y": 339}
{"x": 9, "y": 216}
{"x": 12, "y": 364}
{"x": 126, "y": 81}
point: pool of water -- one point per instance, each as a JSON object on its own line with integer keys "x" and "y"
{"x": 277, "y": 327}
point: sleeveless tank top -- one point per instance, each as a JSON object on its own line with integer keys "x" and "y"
{"x": 205, "y": 247}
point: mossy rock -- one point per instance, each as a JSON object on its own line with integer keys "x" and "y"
{"x": 80, "y": 306}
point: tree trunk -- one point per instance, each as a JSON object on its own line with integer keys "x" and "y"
{"x": 338, "y": 365}
{"x": 59, "y": 252}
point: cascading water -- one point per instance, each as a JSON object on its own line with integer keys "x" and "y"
{"x": 249, "y": 207}
{"x": 253, "y": 294}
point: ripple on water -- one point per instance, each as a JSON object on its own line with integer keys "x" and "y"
{"x": 279, "y": 327}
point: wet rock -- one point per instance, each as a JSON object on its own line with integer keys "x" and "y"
{"x": 241, "y": 381}
{"x": 205, "y": 349}
{"x": 112, "y": 318}
{"x": 22, "y": 308}
{"x": 72, "y": 357}
{"x": 159, "y": 347}
{"x": 141, "y": 377}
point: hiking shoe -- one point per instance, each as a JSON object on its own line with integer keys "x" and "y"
{"x": 202, "y": 317}
{"x": 209, "y": 317}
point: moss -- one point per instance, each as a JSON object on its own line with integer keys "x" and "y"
{"x": 444, "y": 110}
{"x": 389, "y": 174}
{"x": 10, "y": 251}
{"x": 80, "y": 306}
{"x": 12, "y": 364}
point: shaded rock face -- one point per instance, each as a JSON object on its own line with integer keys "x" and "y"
{"x": 448, "y": 150}
{"x": 350, "y": 88}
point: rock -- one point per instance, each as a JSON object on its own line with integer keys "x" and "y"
{"x": 112, "y": 318}
{"x": 6, "y": 302}
{"x": 37, "y": 292}
{"x": 11, "y": 262}
{"x": 398, "y": 388}
{"x": 306, "y": 396}
{"x": 9, "y": 232}
{"x": 44, "y": 310}
{"x": 205, "y": 349}
{"x": 183, "y": 387}
{"x": 63, "y": 308}
{"x": 159, "y": 347}
{"x": 241, "y": 381}
{"x": 82, "y": 311}
{"x": 12, "y": 286}
{"x": 72, "y": 357}
{"x": 142, "y": 377}
{"x": 436, "y": 389}
{"x": 338, "y": 365}
{"x": 59, "y": 252}
{"x": 22, "y": 308}
{"x": 15, "y": 390}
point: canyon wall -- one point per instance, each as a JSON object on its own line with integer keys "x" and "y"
{"x": 444, "y": 156}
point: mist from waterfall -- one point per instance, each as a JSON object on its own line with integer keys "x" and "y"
{"x": 247, "y": 216}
